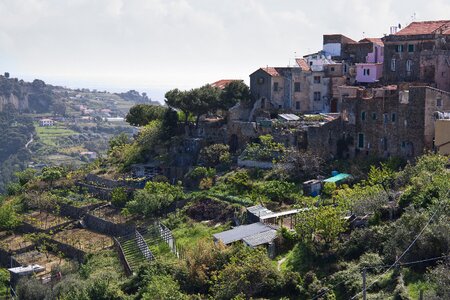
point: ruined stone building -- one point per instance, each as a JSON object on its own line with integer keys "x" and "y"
{"x": 388, "y": 121}
{"x": 420, "y": 52}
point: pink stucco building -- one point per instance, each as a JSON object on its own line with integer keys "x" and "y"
{"x": 372, "y": 69}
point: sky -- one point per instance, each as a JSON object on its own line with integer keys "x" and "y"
{"x": 157, "y": 45}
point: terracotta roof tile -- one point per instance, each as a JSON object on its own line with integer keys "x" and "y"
{"x": 271, "y": 71}
{"x": 303, "y": 64}
{"x": 221, "y": 84}
{"x": 427, "y": 27}
{"x": 377, "y": 41}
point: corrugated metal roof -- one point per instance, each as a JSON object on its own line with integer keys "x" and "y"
{"x": 240, "y": 232}
{"x": 259, "y": 210}
{"x": 260, "y": 238}
{"x": 289, "y": 117}
{"x": 283, "y": 213}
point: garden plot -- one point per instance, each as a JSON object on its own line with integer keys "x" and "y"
{"x": 44, "y": 220}
{"x": 84, "y": 240}
{"x": 44, "y": 259}
{"x": 13, "y": 242}
{"x": 111, "y": 214}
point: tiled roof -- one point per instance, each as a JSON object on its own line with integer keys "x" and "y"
{"x": 427, "y": 27}
{"x": 271, "y": 71}
{"x": 376, "y": 41}
{"x": 303, "y": 64}
{"x": 221, "y": 84}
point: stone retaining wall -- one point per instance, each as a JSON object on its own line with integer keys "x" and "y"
{"x": 122, "y": 258}
{"x": 106, "y": 227}
{"x": 74, "y": 212}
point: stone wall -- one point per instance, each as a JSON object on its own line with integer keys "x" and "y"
{"x": 394, "y": 123}
{"x": 122, "y": 258}
{"x": 106, "y": 227}
{"x": 68, "y": 250}
{"x": 99, "y": 192}
{"x": 74, "y": 212}
{"x": 245, "y": 163}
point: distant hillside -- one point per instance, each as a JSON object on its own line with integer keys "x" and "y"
{"x": 135, "y": 97}
{"x": 16, "y": 132}
{"x": 28, "y": 97}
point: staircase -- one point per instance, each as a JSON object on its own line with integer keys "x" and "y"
{"x": 144, "y": 243}
{"x": 131, "y": 251}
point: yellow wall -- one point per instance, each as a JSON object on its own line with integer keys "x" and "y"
{"x": 442, "y": 136}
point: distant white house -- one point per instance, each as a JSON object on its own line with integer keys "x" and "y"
{"x": 46, "y": 122}
{"x": 89, "y": 154}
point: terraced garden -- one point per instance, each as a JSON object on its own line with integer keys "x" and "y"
{"x": 44, "y": 220}
{"x": 84, "y": 240}
{"x": 13, "y": 242}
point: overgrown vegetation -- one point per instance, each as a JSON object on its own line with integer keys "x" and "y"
{"x": 392, "y": 221}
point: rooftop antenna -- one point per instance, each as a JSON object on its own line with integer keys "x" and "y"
{"x": 413, "y": 17}
{"x": 364, "y": 34}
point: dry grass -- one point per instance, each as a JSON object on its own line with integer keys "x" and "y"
{"x": 83, "y": 239}
{"x": 44, "y": 220}
{"x": 13, "y": 242}
{"x": 46, "y": 260}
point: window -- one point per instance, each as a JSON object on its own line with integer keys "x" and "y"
{"x": 385, "y": 118}
{"x": 316, "y": 79}
{"x": 345, "y": 68}
{"x": 438, "y": 102}
{"x": 361, "y": 140}
{"x": 374, "y": 116}
{"x": 410, "y": 48}
{"x": 260, "y": 80}
{"x": 408, "y": 65}
{"x": 398, "y": 48}
{"x": 394, "y": 117}
{"x": 393, "y": 65}
{"x": 385, "y": 144}
{"x": 332, "y": 69}
{"x": 275, "y": 86}
{"x": 297, "y": 87}
{"x": 297, "y": 105}
{"x": 366, "y": 72}
{"x": 316, "y": 96}
{"x": 363, "y": 116}
{"x": 310, "y": 63}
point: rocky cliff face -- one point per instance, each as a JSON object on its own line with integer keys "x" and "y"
{"x": 20, "y": 104}
{"x": 24, "y": 96}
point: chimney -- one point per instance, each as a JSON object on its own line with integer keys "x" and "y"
{"x": 393, "y": 29}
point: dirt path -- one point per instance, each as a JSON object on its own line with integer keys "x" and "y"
{"x": 29, "y": 142}
{"x": 280, "y": 262}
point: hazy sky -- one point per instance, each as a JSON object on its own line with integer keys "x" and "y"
{"x": 155, "y": 45}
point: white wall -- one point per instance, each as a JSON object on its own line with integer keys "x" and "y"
{"x": 333, "y": 49}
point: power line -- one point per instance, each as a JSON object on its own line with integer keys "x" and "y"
{"x": 328, "y": 289}
{"x": 403, "y": 254}
{"x": 379, "y": 266}
{"x": 409, "y": 263}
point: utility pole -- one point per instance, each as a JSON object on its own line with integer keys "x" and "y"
{"x": 364, "y": 283}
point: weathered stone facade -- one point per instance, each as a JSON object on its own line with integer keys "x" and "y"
{"x": 282, "y": 88}
{"x": 419, "y": 53}
{"x": 390, "y": 122}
